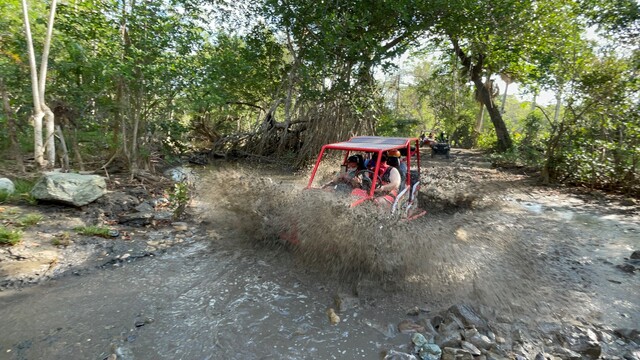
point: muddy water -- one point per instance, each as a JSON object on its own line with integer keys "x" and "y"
{"x": 199, "y": 303}
{"x": 234, "y": 293}
{"x": 595, "y": 245}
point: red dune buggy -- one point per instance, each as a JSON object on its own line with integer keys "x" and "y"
{"x": 372, "y": 148}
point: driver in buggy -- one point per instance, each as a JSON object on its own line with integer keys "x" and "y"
{"x": 354, "y": 164}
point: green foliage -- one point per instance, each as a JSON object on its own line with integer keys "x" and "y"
{"x": 179, "y": 198}
{"x": 390, "y": 125}
{"x": 597, "y": 141}
{"x": 93, "y": 231}
{"x": 62, "y": 239}
{"x": 9, "y": 236}
{"x": 30, "y": 220}
{"x": 448, "y": 97}
{"x": 22, "y": 192}
{"x": 487, "y": 140}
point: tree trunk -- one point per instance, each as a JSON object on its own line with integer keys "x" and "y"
{"x": 38, "y": 88}
{"x": 14, "y": 148}
{"x": 63, "y": 145}
{"x": 48, "y": 114}
{"x": 38, "y": 149}
{"x": 78, "y": 162}
{"x": 480, "y": 119}
{"x": 475, "y": 67}
{"x": 502, "y": 133}
{"x": 50, "y": 143}
{"x": 504, "y": 98}
{"x": 556, "y": 115}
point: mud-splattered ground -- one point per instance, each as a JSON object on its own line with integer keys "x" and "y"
{"x": 531, "y": 259}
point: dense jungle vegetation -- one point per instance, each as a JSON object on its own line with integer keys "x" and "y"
{"x": 100, "y": 82}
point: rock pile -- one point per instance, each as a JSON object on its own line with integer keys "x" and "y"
{"x": 461, "y": 333}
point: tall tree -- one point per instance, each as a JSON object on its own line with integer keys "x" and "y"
{"x": 504, "y": 36}
{"x": 38, "y": 85}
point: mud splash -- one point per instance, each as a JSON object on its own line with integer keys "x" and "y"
{"x": 481, "y": 249}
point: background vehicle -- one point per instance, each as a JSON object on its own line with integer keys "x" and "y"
{"x": 440, "y": 148}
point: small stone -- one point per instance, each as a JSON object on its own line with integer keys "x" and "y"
{"x": 628, "y": 268}
{"x": 333, "y": 317}
{"x": 415, "y": 311}
{"x": 344, "y": 302}
{"x": 448, "y": 339}
{"x": 430, "y": 352}
{"x": 409, "y": 327}
{"x": 418, "y": 339}
{"x": 125, "y": 256}
{"x": 629, "y": 334}
{"x": 112, "y": 357}
{"x": 397, "y": 355}
{"x": 628, "y": 202}
{"x": 470, "y": 348}
{"x": 635, "y": 255}
{"x": 180, "y": 226}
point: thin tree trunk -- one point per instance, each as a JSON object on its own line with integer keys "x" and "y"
{"x": 502, "y": 133}
{"x": 556, "y": 115}
{"x": 76, "y": 150}
{"x": 63, "y": 145}
{"x": 48, "y": 114}
{"x": 14, "y": 148}
{"x": 38, "y": 148}
{"x": 50, "y": 134}
{"x": 504, "y": 98}
{"x": 480, "y": 119}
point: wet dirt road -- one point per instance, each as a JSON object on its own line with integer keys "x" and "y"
{"x": 198, "y": 303}
{"x": 532, "y": 255}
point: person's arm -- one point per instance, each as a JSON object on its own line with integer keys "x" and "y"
{"x": 394, "y": 182}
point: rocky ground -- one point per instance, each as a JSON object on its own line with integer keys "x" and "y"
{"x": 138, "y": 216}
{"x": 525, "y": 300}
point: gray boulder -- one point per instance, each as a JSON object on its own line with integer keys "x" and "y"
{"x": 69, "y": 188}
{"x": 469, "y": 316}
{"x": 7, "y": 186}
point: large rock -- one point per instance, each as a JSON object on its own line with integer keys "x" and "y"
{"x": 7, "y": 186}
{"x": 469, "y": 316}
{"x": 68, "y": 188}
{"x": 585, "y": 342}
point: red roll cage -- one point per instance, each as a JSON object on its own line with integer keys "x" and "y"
{"x": 374, "y": 144}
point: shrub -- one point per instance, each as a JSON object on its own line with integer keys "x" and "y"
{"x": 63, "y": 239}
{"x": 22, "y": 192}
{"x": 9, "y": 237}
{"x": 30, "y": 220}
{"x": 92, "y": 231}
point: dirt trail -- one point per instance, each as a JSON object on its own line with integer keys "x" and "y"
{"x": 531, "y": 259}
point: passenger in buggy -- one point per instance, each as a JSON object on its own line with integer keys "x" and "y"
{"x": 391, "y": 181}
